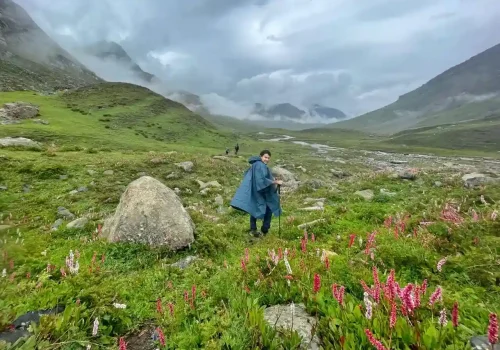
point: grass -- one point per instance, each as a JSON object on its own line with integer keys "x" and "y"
{"x": 227, "y": 309}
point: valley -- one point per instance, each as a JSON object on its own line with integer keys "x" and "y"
{"x": 116, "y": 229}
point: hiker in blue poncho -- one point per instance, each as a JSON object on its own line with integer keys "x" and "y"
{"x": 257, "y": 194}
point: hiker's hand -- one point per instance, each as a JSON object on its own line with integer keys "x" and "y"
{"x": 278, "y": 182}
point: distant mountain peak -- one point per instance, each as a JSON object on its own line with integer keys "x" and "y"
{"x": 110, "y": 50}
{"x": 290, "y": 111}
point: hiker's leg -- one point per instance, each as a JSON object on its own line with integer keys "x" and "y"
{"x": 266, "y": 224}
{"x": 253, "y": 223}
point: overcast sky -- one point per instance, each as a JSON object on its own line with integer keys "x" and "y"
{"x": 355, "y": 55}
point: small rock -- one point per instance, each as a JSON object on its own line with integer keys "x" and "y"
{"x": 396, "y": 161}
{"x": 315, "y": 184}
{"x": 91, "y": 172}
{"x": 187, "y": 166}
{"x": 184, "y": 263}
{"x": 309, "y": 224}
{"x": 56, "y": 224}
{"x": 40, "y": 121}
{"x": 205, "y": 191}
{"x": 482, "y": 342}
{"x": 3, "y": 188}
{"x": 177, "y": 190}
{"x": 158, "y": 160}
{"x": 63, "y": 177}
{"x": 171, "y": 176}
{"x": 280, "y": 316}
{"x": 188, "y": 191}
{"x": 314, "y": 200}
{"x": 219, "y": 200}
{"x": 73, "y": 192}
{"x": 65, "y": 213}
{"x": 221, "y": 158}
{"x": 302, "y": 168}
{"x": 108, "y": 172}
{"x": 407, "y": 175}
{"x": 82, "y": 189}
{"x": 387, "y": 192}
{"x": 26, "y": 188}
{"x": 366, "y": 194}
{"x": 78, "y": 223}
{"x": 204, "y": 185}
{"x": 340, "y": 174}
{"x": 438, "y": 184}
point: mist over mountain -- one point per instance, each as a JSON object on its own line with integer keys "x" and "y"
{"x": 465, "y": 92}
{"x": 30, "y": 59}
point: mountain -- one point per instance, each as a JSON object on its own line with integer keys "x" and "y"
{"x": 110, "y": 50}
{"x": 327, "y": 112}
{"x": 188, "y": 99}
{"x": 31, "y": 60}
{"x": 290, "y": 111}
{"x": 467, "y": 91}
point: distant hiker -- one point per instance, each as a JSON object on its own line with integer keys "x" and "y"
{"x": 236, "y": 149}
{"x": 257, "y": 194}
{"x": 227, "y": 151}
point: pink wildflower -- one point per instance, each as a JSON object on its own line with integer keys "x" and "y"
{"x": 352, "y": 237}
{"x": 303, "y": 245}
{"x": 494, "y": 215}
{"x": 161, "y": 336}
{"x": 159, "y": 308}
{"x": 186, "y": 296}
{"x": 441, "y": 263}
{"x": 313, "y": 237}
{"x": 493, "y": 329}
{"x": 392, "y": 319}
{"x": 317, "y": 283}
{"x": 423, "y": 288}
{"x": 243, "y": 265}
{"x": 122, "y": 344}
{"x": 247, "y": 255}
{"x": 454, "y": 314}
{"x": 376, "y": 282}
{"x": 327, "y": 263}
{"x": 407, "y": 298}
{"x": 475, "y": 217}
{"x": 376, "y": 343}
{"x": 171, "y": 309}
{"x": 437, "y": 295}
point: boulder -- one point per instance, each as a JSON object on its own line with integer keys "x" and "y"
{"x": 475, "y": 180}
{"x": 365, "y": 194}
{"x": 204, "y": 185}
{"x": 150, "y": 213}
{"x": 187, "y": 166}
{"x": 19, "y": 142}
{"x": 78, "y": 223}
{"x": 296, "y": 318}
{"x": 290, "y": 182}
{"x": 14, "y": 112}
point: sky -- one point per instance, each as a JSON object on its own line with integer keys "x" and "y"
{"x": 356, "y": 56}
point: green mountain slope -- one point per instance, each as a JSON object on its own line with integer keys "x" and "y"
{"x": 481, "y": 135}
{"x": 470, "y": 90}
{"x": 113, "y": 115}
{"x": 31, "y": 60}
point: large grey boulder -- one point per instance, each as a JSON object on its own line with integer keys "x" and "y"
{"x": 150, "y": 213}
{"x": 290, "y": 182}
{"x": 14, "y": 112}
{"x": 18, "y": 142}
{"x": 476, "y": 179}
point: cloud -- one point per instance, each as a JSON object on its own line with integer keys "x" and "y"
{"x": 352, "y": 55}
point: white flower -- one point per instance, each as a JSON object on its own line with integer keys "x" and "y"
{"x": 442, "y": 318}
{"x": 4, "y": 273}
{"x": 96, "y": 327}
{"x": 44, "y": 253}
{"x": 119, "y": 306}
